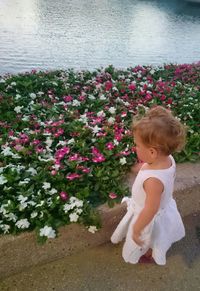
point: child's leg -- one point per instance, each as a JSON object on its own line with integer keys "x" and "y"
{"x": 148, "y": 254}
{"x": 147, "y": 258}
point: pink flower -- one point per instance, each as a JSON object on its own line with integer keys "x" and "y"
{"x": 95, "y": 151}
{"x": 112, "y": 195}
{"x": 75, "y": 157}
{"x": 108, "y": 85}
{"x": 18, "y": 147}
{"x": 64, "y": 196}
{"x": 169, "y": 101}
{"x": 110, "y": 146}
{"x": 83, "y": 169}
{"x": 98, "y": 159}
{"x": 53, "y": 172}
{"x": 68, "y": 98}
{"x": 35, "y": 141}
{"x": 132, "y": 87}
{"x": 39, "y": 149}
{"x": 73, "y": 176}
{"x": 81, "y": 98}
{"x": 123, "y": 114}
{"x": 62, "y": 152}
{"x": 163, "y": 97}
{"x": 58, "y": 133}
{"x": 118, "y": 137}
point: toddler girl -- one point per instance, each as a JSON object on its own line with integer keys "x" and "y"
{"x": 152, "y": 222}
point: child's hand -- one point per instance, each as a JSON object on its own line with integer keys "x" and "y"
{"x": 136, "y": 238}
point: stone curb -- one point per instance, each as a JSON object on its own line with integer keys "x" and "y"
{"x": 21, "y": 252}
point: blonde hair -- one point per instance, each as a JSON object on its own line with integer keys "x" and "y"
{"x": 161, "y": 130}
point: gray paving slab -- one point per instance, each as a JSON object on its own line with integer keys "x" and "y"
{"x": 103, "y": 269}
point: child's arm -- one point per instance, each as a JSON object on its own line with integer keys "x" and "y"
{"x": 153, "y": 188}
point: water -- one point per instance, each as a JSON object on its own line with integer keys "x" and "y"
{"x": 86, "y": 34}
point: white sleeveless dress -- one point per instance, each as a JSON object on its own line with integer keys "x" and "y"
{"x": 165, "y": 228}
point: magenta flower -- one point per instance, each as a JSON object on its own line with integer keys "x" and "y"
{"x": 73, "y": 176}
{"x": 83, "y": 169}
{"x": 68, "y": 98}
{"x": 108, "y": 85}
{"x": 62, "y": 152}
{"x": 18, "y": 147}
{"x": 95, "y": 151}
{"x": 112, "y": 195}
{"x": 98, "y": 158}
{"x": 39, "y": 149}
{"x": 75, "y": 157}
{"x": 110, "y": 146}
{"x": 132, "y": 87}
{"x": 53, "y": 172}
{"x": 64, "y": 196}
{"x": 123, "y": 114}
{"x": 35, "y": 142}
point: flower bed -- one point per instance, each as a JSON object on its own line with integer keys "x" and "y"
{"x": 66, "y": 144}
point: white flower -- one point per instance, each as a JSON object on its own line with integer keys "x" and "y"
{"x": 96, "y": 129}
{"x": 32, "y": 203}
{"x": 112, "y": 110}
{"x": 75, "y": 103}
{"x": 72, "y": 140}
{"x": 25, "y": 118}
{"x": 111, "y": 120}
{"x": 126, "y": 103}
{"x": 17, "y": 109}
{"x": 13, "y": 84}
{"x": 3, "y": 209}
{"x": 49, "y": 142}
{"x": 102, "y": 97}
{"x": 18, "y": 96}
{"x": 101, "y": 114}
{"x": 22, "y": 223}
{"x": 40, "y": 93}
{"x": 73, "y": 217}
{"x": 22, "y": 198}
{"x": 47, "y": 231}
{"x": 115, "y": 89}
{"x": 11, "y": 216}
{"x": 67, "y": 207}
{"x": 5, "y": 228}
{"x": 3, "y": 180}
{"x": 22, "y": 206}
{"x": 76, "y": 201}
{"x": 2, "y": 81}
{"x": 122, "y": 161}
{"x": 34, "y": 214}
{"x": 79, "y": 211}
{"x": 32, "y": 95}
{"x": 53, "y": 191}
{"x": 32, "y": 171}
{"x": 91, "y": 97}
{"x": 115, "y": 142}
{"x": 83, "y": 118}
{"x": 92, "y": 228}
{"x": 26, "y": 181}
{"x": 46, "y": 186}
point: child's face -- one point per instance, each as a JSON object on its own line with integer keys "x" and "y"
{"x": 144, "y": 153}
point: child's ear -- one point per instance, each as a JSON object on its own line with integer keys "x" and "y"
{"x": 153, "y": 152}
